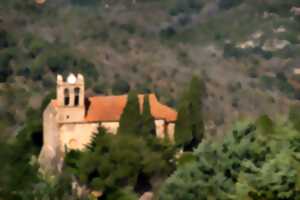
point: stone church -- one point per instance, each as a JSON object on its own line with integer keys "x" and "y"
{"x": 70, "y": 120}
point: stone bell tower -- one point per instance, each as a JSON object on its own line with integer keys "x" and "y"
{"x": 70, "y": 98}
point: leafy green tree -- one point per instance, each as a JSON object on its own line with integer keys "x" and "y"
{"x": 113, "y": 162}
{"x": 19, "y": 173}
{"x": 120, "y": 87}
{"x": 189, "y": 129}
{"x": 148, "y": 124}
{"x": 6, "y": 40}
{"x": 120, "y": 194}
{"x": 265, "y": 124}
{"x": 130, "y": 121}
{"x": 294, "y": 116}
{"x": 249, "y": 163}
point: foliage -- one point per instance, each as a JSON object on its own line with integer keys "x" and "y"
{"x": 189, "y": 128}
{"x": 6, "y": 39}
{"x": 112, "y": 162}
{"x": 227, "y": 4}
{"x": 120, "y": 86}
{"x": 54, "y": 187}
{"x": 130, "y": 121}
{"x": 120, "y": 194}
{"x": 5, "y": 67}
{"x": 294, "y": 116}
{"x": 18, "y": 173}
{"x": 186, "y": 7}
{"x": 148, "y": 125}
{"x": 84, "y": 2}
{"x": 249, "y": 164}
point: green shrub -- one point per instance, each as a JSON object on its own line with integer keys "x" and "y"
{"x": 227, "y": 4}
{"x": 186, "y": 7}
{"x": 60, "y": 61}
{"x": 5, "y": 67}
{"x": 6, "y": 40}
{"x": 246, "y": 164}
{"x": 100, "y": 88}
{"x": 87, "y": 68}
{"x": 120, "y": 86}
{"x": 267, "y": 82}
{"x": 168, "y": 32}
{"x": 84, "y": 2}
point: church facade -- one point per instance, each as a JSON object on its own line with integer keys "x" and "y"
{"x": 70, "y": 120}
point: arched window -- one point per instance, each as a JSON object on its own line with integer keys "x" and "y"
{"x": 66, "y": 97}
{"x": 77, "y": 99}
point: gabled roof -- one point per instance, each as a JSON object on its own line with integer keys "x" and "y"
{"x": 110, "y": 108}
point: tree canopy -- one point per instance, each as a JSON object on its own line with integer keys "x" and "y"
{"x": 130, "y": 121}
{"x": 189, "y": 129}
{"x": 249, "y": 164}
{"x": 112, "y": 162}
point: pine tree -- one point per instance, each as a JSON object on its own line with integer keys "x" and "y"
{"x": 189, "y": 129}
{"x": 148, "y": 125}
{"x": 130, "y": 121}
{"x": 183, "y": 131}
{"x": 248, "y": 164}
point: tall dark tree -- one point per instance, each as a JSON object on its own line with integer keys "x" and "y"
{"x": 130, "y": 121}
{"x": 189, "y": 129}
{"x": 148, "y": 125}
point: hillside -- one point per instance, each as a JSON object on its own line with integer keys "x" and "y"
{"x": 245, "y": 50}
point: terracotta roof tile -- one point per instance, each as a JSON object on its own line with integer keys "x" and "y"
{"x": 110, "y": 108}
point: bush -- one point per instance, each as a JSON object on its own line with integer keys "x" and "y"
{"x": 5, "y": 68}
{"x": 6, "y": 40}
{"x": 267, "y": 82}
{"x": 248, "y": 164}
{"x": 186, "y": 7}
{"x": 227, "y": 4}
{"x": 168, "y": 32}
{"x": 230, "y": 51}
{"x": 34, "y": 45}
{"x": 84, "y": 2}
{"x": 59, "y": 61}
{"x": 100, "y": 88}
{"x": 138, "y": 162}
{"x": 87, "y": 68}
{"x": 120, "y": 86}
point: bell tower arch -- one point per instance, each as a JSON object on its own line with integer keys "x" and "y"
{"x": 70, "y": 98}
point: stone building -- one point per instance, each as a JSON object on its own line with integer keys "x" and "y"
{"x": 70, "y": 120}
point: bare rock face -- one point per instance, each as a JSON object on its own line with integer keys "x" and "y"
{"x": 147, "y": 196}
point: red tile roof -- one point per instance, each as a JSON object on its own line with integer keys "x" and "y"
{"x": 110, "y": 108}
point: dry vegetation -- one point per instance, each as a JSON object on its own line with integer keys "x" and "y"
{"x": 151, "y": 45}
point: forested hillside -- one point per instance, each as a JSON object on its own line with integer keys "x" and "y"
{"x": 227, "y": 66}
{"x": 245, "y": 50}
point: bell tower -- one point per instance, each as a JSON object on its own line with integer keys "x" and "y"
{"x": 70, "y": 98}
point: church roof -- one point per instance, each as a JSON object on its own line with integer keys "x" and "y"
{"x": 110, "y": 108}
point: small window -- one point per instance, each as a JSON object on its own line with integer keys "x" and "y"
{"x": 66, "y": 97}
{"x": 77, "y": 99}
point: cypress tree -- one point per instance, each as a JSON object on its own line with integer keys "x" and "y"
{"x": 130, "y": 121}
{"x": 189, "y": 129}
{"x": 148, "y": 125}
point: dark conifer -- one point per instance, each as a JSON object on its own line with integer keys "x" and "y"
{"x": 130, "y": 121}
{"x": 189, "y": 129}
{"x": 148, "y": 124}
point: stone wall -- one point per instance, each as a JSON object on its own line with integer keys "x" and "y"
{"x": 76, "y": 135}
{"x": 111, "y": 127}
